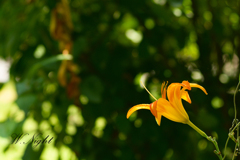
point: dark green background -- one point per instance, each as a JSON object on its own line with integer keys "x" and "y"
{"x": 203, "y": 39}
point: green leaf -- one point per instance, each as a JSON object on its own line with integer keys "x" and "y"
{"x": 22, "y": 87}
{"x": 47, "y": 61}
{"x": 7, "y": 127}
{"x": 24, "y": 102}
{"x": 31, "y": 154}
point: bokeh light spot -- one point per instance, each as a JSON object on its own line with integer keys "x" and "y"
{"x": 138, "y": 123}
{"x": 100, "y": 124}
{"x": 67, "y": 139}
{"x": 83, "y": 99}
{"x": 160, "y": 2}
{"x": 217, "y": 102}
{"x": 169, "y": 153}
{"x": 30, "y": 125}
{"x": 122, "y": 136}
{"x": 46, "y": 109}
{"x": 134, "y": 35}
{"x": 149, "y": 23}
{"x": 39, "y": 52}
{"x": 223, "y": 78}
{"x": 177, "y": 12}
{"x": 116, "y": 14}
{"x": 4, "y": 70}
{"x": 71, "y": 129}
{"x": 133, "y": 116}
{"x": 197, "y": 76}
{"x": 207, "y": 15}
{"x": 202, "y": 144}
{"x": 234, "y": 18}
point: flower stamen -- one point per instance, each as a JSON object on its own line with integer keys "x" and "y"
{"x": 148, "y": 91}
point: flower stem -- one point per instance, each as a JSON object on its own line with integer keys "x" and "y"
{"x": 234, "y": 101}
{"x": 209, "y": 138}
{"x": 197, "y": 129}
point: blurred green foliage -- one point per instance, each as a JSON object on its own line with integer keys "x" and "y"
{"x": 115, "y": 44}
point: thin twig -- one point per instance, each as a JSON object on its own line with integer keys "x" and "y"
{"x": 234, "y": 101}
{"x": 225, "y": 148}
{"x": 217, "y": 151}
{"x": 235, "y": 125}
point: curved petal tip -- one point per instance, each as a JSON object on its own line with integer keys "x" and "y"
{"x": 137, "y": 107}
{"x": 186, "y": 97}
{"x": 198, "y": 86}
{"x": 158, "y": 118}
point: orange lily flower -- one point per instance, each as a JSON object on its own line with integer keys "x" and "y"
{"x": 172, "y": 108}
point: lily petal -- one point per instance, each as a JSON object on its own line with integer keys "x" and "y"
{"x": 153, "y": 107}
{"x": 170, "y": 91}
{"x": 171, "y": 88}
{"x": 186, "y": 97}
{"x": 171, "y": 113}
{"x": 198, "y": 86}
{"x": 177, "y": 101}
{"x": 186, "y": 85}
{"x": 137, "y": 107}
{"x": 158, "y": 118}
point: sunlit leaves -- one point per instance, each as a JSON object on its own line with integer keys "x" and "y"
{"x": 190, "y": 52}
{"x": 30, "y": 125}
{"x": 100, "y": 124}
{"x": 7, "y": 127}
{"x": 75, "y": 116}
{"x": 46, "y": 109}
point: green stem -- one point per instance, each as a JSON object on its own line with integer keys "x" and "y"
{"x": 209, "y": 138}
{"x": 234, "y": 101}
{"x": 197, "y": 129}
{"x": 225, "y": 148}
{"x": 234, "y": 154}
{"x": 231, "y": 135}
{"x": 235, "y": 125}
